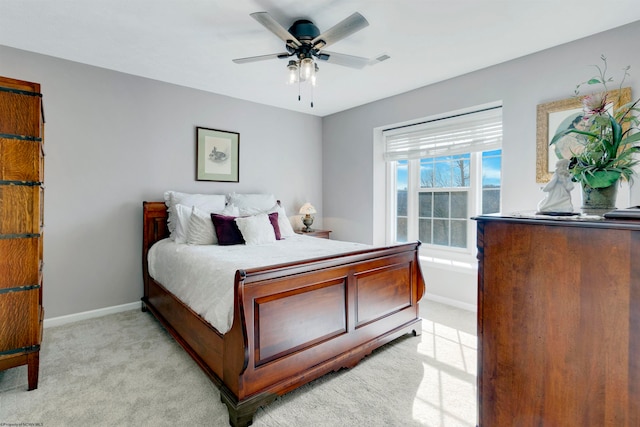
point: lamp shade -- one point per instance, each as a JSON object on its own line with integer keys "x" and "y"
{"x": 307, "y": 209}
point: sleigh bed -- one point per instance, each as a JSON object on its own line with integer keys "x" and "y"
{"x": 292, "y": 322}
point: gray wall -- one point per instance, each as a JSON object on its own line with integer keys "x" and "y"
{"x": 113, "y": 140}
{"x": 520, "y": 85}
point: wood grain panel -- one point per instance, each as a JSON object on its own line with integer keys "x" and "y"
{"x": 634, "y": 339}
{"x": 19, "y": 321}
{"x": 19, "y": 262}
{"x": 293, "y": 321}
{"x": 555, "y": 334}
{"x": 20, "y": 209}
{"x": 19, "y": 160}
{"x": 381, "y": 292}
{"x": 20, "y": 114}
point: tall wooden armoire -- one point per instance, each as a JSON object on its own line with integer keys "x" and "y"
{"x": 21, "y": 224}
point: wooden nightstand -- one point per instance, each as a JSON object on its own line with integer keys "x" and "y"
{"x": 323, "y": 234}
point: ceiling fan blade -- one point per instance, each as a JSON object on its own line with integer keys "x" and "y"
{"x": 342, "y": 29}
{"x": 272, "y": 25}
{"x": 261, "y": 58}
{"x": 344, "y": 60}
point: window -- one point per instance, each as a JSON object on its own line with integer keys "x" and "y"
{"x": 440, "y": 174}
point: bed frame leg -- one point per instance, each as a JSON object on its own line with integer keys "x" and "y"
{"x": 241, "y": 414}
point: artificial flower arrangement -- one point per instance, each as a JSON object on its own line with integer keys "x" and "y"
{"x": 609, "y": 135}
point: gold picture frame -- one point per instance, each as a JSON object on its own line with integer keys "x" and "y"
{"x": 218, "y": 155}
{"x": 554, "y": 116}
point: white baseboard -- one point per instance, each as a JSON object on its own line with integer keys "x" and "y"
{"x": 70, "y": 318}
{"x": 452, "y": 302}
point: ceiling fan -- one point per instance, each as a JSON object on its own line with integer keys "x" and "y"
{"x": 304, "y": 44}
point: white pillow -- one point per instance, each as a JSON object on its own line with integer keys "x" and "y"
{"x": 256, "y": 230}
{"x": 200, "y": 230}
{"x": 205, "y": 202}
{"x": 262, "y": 202}
{"x": 252, "y": 211}
{"x": 182, "y": 215}
{"x": 286, "y": 230}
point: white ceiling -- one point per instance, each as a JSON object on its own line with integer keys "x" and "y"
{"x": 192, "y": 42}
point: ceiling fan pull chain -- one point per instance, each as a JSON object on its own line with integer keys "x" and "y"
{"x": 299, "y": 83}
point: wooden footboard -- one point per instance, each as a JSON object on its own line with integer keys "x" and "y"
{"x": 293, "y": 322}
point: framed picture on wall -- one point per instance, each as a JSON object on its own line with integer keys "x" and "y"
{"x": 553, "y": 117}
{"x": 218, "y": 155}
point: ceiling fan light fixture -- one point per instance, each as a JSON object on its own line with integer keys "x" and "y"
{"x": 293, "y": 72}
{"x": 304, "y": 40}
{"x": 307, "y": 68}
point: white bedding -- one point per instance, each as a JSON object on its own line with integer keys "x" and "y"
{"x": 202, "y": 275}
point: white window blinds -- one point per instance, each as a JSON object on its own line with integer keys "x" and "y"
{"x": 465, "y": 133}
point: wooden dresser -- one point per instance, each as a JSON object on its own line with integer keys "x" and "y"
{"x": 558, "y": 322}
{"x": 21, "y": 222}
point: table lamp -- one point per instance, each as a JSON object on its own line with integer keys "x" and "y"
{"x": 307, "y": 209}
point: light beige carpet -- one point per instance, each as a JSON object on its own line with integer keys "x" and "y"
{"x": 125, "y": 370}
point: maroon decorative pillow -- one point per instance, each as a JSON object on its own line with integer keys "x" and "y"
{"x": 273, "y": 218}
{"x": 227, "y": 230}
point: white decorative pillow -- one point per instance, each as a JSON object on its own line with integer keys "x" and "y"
{"x": 286, "y": 230}
{"x": 200, "y": 230}
{"x": 261, "y": 202}
{"x": 256, "y": 230}
{"x": 205, "y": 202}
{"x": 182, "y": 216}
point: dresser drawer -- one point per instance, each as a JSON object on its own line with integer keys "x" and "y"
{"x": 20, "y": 112}
{"x": 19, "y": 262}
{"x": 20, "y": 209}
{"x": 19, "y": 319}
{"x": 21, "y": 160}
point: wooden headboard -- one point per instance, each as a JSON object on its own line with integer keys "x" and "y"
{"x": 154, "y": 228}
